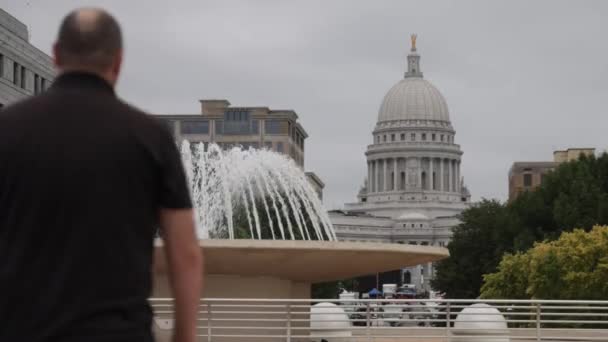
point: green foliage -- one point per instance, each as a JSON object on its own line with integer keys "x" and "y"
{"x": 573, "y": 267}
{"x": 510, "y": 282}
{"x": 575, "y": 194}
{"x": 487, "y": 231}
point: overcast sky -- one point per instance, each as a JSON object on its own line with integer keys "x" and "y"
{"x": 521, "y": 78}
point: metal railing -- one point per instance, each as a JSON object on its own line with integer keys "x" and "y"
{"x": 389, "y": 320}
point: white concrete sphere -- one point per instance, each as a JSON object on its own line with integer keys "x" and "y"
{"x": 478, "y": 320}
{"x": 328, "y": 320}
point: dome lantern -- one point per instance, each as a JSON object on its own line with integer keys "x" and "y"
{"x": 413, "y": 61}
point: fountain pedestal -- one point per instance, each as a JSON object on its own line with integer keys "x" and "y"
{"x": 279, "y": 269}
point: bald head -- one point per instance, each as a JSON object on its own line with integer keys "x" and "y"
{"x": 89, "y": 39}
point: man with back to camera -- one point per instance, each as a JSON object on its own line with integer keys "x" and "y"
{"x": 84, "y": 181}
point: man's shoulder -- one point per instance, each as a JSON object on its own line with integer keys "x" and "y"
{"x": 22, "y": 107}
{"x": 142, "y": 118}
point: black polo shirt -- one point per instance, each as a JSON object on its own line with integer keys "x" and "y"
{"x": 82, "y": 179}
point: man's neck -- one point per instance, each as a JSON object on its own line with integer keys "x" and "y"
{"x": 104, "y": 75}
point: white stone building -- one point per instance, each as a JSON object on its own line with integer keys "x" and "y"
{"x": 414, "y": 191}
{"x": 24, "y": 70}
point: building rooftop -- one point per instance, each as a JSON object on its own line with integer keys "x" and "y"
{"x": 13, "y": 25}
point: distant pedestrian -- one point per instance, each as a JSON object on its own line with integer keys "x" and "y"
{"x": 84, "y": 181}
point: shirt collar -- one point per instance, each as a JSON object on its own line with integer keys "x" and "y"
{"x": 81, "y": 79}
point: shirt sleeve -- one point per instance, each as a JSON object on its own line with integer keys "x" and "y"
{"x": 174, "y": 189}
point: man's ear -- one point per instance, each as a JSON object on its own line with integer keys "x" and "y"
{"x": 56, "y": 57}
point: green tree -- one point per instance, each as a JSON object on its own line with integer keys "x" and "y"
{"x": 575, "y": 194}
{"x": 478, "y": 243}
{"x": 573, "y": 267}
{"x": 511, "y": 280}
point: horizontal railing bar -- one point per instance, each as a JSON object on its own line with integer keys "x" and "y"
{"x": 543, "y": 301}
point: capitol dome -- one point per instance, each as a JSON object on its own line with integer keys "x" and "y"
{"x": 413, "y": 98}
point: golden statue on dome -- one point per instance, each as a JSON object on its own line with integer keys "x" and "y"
{"x": 413, "y": 37}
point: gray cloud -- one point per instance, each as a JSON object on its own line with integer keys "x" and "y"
{"x": 521, "y": 78}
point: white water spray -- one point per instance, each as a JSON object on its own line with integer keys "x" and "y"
{"x": 252, "y": 194}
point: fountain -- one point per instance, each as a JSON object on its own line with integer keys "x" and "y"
{"x": 264, "y": 231}
{"x": 225, "y": 183}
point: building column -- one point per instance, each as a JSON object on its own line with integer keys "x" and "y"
{"x": 441, "y": 188}
{"x": 432, "y": 180}
{"x": 395, "y": 175}
{"x": 457, "y": 175}
{"x": 384, "y": 184}
{"x": 369, "y": 176}
{"x": 454, "y": 180}
{"x": 453, "y": 175}
{"x": 420, "y": 173}
{"x": 376, "y": 182}
{"x": 406, "y": 173}
{"x": 449, "y": 187}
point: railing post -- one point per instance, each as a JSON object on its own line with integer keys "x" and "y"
{"x": 448, "y": 314}
{"x": 538, "y": 334}
{"x": 288, "y": 322}
{"x": 368, "y": 322}
{"x": 208, "y": 322}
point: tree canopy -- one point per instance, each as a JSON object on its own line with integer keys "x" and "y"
{"x": 575, "y": 194}
{"x": 573, "y": 267}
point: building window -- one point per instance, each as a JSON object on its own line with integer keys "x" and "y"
{"x": 22, "y": 77}
{"x": 441, "y": 138}
{"x": 377, "y": 138}
{"x": 236, "y": 115}
{"x": 392, "y": 137}
{"x": 195, "y": 127}
{"x": 15, "y": 73}
{"x": 384, "y": 138}
{"x": 433, "y": 136}
{"x": 402, "y": 136}
{"x": 280, "y": 147}
{"x": 272, "y": 126}
{"x": 219, "y": 127}
{"x": 423, "y": 136}
{"x": 236, "y": 122}
{"x": 413, "y": 136}
{"x": 255, "y": 126}
{"x": 42, "y": 84}
{"x": 527, "y": 179}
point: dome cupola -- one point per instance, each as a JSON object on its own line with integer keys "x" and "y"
{"x": 413, "y": 98}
